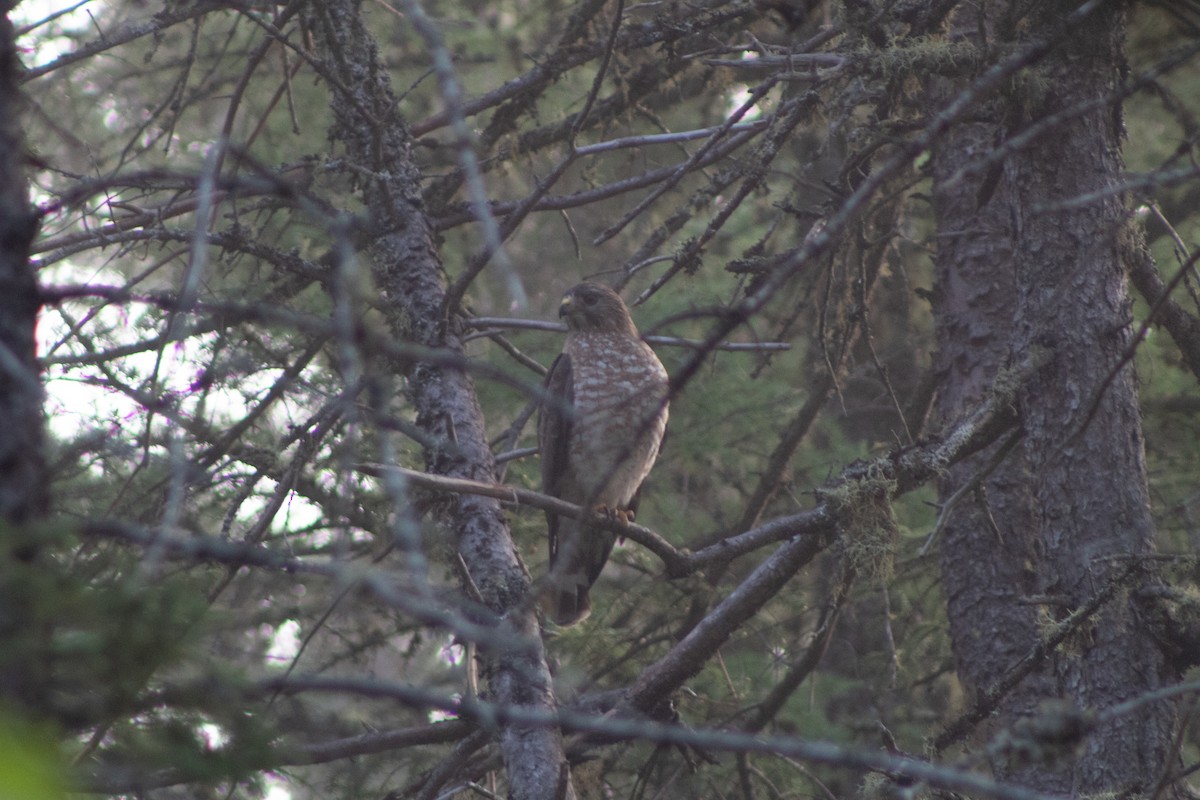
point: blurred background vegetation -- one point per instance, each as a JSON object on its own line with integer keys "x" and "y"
{"x": 196, "y": 388}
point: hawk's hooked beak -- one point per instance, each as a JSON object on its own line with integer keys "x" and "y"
{"x": 564, "y": 307}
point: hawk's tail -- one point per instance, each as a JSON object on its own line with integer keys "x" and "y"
{"x": 566, "y": 601}
{"x": 575, "y": 564}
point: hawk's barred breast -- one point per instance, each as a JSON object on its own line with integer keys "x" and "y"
{"x": 620, "y": 402}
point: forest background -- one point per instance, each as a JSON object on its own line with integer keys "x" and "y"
{"x": 277, "y": 291}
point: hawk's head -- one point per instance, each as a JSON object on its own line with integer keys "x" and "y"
{"x": 592, "y": 308}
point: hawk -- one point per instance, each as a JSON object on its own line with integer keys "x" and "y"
{"x": 599, "y": 430}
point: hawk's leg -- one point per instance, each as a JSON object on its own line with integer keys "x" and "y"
{"x": 623, "y": 515}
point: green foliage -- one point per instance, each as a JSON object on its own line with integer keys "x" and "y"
{"x": 30, "y": 762}
{"x": 99, "y": 624}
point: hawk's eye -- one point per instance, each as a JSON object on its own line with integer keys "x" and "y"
{"x": 589, "y": 299}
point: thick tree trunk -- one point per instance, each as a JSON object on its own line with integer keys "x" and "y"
{"x": 22, "y": 471}
{"x": 976, "y": 299}
{"x": 22, "y": 478}
{"x": 1090, "y": 492}
{"x": 1064, "y": 504}
{"x": 407, "y": 271}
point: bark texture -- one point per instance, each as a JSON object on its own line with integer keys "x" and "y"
{"x": 22, "y": 480}
{"x": 974, "y": 305}
{"x": 1029, "y": 260}
{"x": 407, "y": 271}
{"x": 1089, "y": 487}
{"x": 23, "y": 674}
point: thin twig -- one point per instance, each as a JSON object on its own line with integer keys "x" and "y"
{"x": 976, "y": 480}
{"x": 670, "y": 341}
{"x": 1130, "y": 351}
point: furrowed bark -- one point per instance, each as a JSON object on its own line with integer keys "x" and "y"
{"x": 973, "y": 306}
{"x": 1024, "y": 267}
{"x": 1073, "y": 298}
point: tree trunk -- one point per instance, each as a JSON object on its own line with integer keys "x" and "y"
{"x": 976, "y": 298}
{"x": 1065, "y": 504}
{"x": 23, "y": 674}
{"x": 22, "y": 478}
{"x": 407, "y": 271}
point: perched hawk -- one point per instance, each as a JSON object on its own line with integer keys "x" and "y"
{"x": 599, "y": 431}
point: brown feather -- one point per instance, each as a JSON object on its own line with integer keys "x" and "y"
{"x": 554, "y": 434}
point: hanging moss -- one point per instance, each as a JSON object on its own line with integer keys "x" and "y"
{"x": 867, "y": 523}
